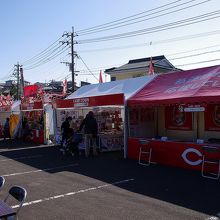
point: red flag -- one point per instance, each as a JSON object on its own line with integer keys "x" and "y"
{"x": 65, "y": 87}
{"x": 31, "y": 90}
{"x": 100, "y": 77}
{"x": 151, "y": 67}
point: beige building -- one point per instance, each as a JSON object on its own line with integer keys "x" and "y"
{"x": 140, "y": 67}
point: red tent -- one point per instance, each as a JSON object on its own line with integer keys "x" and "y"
{"x": 191, "y": 86}
{"x": 185, "y": 122}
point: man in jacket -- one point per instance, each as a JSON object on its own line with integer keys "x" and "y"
{"x": 90, "y": 126}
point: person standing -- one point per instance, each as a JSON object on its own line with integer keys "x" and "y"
{"x": 6, "y": 129}
{"x": 65, "y": 129}
{"x": 90, "y": 126}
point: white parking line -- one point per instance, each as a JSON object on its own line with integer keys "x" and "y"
{"x": 22, "y": 158}
{"x": 74, "y": 193}
{"x": 36, "y": 171}
{"x": 212, "y": 218}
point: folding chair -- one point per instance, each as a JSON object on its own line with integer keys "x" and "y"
{"x": 2, "y": 182}
{"x": 146, "y": 150}
{"x": 19, "y": 194}
{"x": 211, "y": 159}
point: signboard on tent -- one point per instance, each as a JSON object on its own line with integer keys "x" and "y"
{"x": 32, "y": 98}
{"x": 115, "y": 99}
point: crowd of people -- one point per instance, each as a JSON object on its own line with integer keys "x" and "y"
{"x": 73, "y": 131}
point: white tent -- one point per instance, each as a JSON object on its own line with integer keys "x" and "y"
{"x": 127, "y": 86}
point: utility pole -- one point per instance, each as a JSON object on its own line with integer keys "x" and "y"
{"x": 72, "y": 60}
{"x": 71, "y": 42}
{"x": 17, "y": 70}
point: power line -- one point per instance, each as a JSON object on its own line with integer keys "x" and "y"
{"x": 88, "y": 68}
{"x": 186, "y": 37}
{"x": 41, "y": 62}
{"x": 9, "y": 73}
{"x": 172, "y": 25}
{"x": 198, "y": 49}
{"x": 193, "y": 55}
{"x": 125, "y": 23}
{"x": 125, "y": 18}
{"x": 51, "y": 46}
{"x": 175, "y": 58}
{"x": 200, "y": 62}
{"x": 45, "y": 57}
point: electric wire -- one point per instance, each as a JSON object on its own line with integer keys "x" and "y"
{"x": 64, "y": 49}
{"x": 125, "y": 18}
{"x": 193, "y": 55}
{"x": 200, "y": 62}
{"x": 170, "y": 40}
{"x": 88, "y": 68}
{"x": 43, "y": 58}
{"x": 159, "y": 28}
{"x": 146, "y": 19}
{"x": 46, "y": 50}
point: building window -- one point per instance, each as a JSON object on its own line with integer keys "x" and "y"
{"x": 113, "y": 78}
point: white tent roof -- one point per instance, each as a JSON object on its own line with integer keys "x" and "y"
{"x": 127, "y": 86}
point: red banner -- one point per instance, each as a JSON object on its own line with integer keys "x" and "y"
{"x": 175, "y": 119}
{"x": 30, "y": 91}
{"x": 5, "y": 103}
{"x": 116, "y": 99}
{"x": 179, "y": 154}
{"x": 212, "y": 118}
{"x": 32, "y": 106}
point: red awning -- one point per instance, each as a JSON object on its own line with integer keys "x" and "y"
{"x": 115, "y": 99}
{"x": 191, "y": 86}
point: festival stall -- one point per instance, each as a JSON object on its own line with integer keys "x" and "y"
{"x": 32, "y": 120}
{"x": 107, "y": 101}
{"x": 176, "y": 119}
{"x": 37, "y": 116}
{"x": 9, "y": 109}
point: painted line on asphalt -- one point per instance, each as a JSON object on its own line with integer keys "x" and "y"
{"x": 74, "y": 193}
{"x": 37, "y": 171}
{"x": 212, "y": 218}
{"x": 26, "y": 148}
{"x": 22, "y": 158}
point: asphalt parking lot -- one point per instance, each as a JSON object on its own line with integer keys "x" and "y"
{"x": 104, "y": 187}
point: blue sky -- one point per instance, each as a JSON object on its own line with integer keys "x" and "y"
{"x": 28, "y": 27}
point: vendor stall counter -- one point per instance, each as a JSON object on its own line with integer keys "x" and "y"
{"x": 176, "y": 153}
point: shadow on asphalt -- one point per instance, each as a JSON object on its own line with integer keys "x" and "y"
{"x": 177, "y": 186}
{"x": 13, "y": 144}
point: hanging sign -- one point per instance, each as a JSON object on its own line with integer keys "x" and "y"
{"x": 194, "y": 109}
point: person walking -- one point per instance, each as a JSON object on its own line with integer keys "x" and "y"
{"x": 90, "y": 126}
{"x": 6, "y": 129}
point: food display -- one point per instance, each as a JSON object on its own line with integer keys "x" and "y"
{"x": 110, "y": 128}
{"x": 109, "y": 121}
